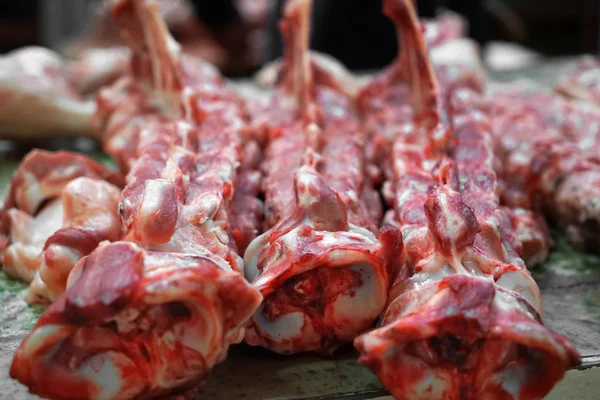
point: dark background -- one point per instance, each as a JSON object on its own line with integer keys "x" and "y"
{"x": 355, "y": 31}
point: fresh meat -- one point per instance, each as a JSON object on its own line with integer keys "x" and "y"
{"x": 38, "y": 97}
{"x": 43, "y": 95}
{"x": 135, "y": 324}
{"x": 246, "y": 208}
{"x": 97, "y": 68}
{"x": 548, "y": 154}
{"x": 89, "y": 217}
{"x": 464, "y": 315}
{"x": 532, "y": 234}
{"x": 59, "y": 207}
{"x": 463, "y": 91}
{"x": 320, "y": 266}
{"x": 149, "y": 316}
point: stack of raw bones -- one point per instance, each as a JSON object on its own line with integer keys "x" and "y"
{"x": 400, "y": 215}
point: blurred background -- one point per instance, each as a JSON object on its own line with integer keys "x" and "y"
{"x": 241, "y": 35}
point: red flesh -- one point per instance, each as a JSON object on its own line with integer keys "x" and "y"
{"x": 159, "y": 309}
{"x": 454, "y": 311}
{"x": 547, "y": 150}
{"x": 317, "y": 198}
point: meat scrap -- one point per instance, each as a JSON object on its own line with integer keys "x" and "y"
{"x": 39, "y": 97}
{"x": 463, "y": 318}
{"x": 134, "y": 324}
{"x": 548, "y": 153}
{"x": 463, "y": 91}
{"x": 321, "y": 268}
{"x": 59, "y": 207}
{"x": 532, "y": 234}
{"x": 43, "y": 95}
{"x": 149, "y": 316}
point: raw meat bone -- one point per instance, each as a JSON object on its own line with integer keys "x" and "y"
{"x": 127, "y": 311}
{"x": 463, "y": 90}
{"x": 38, "y": 98}
{"x": 152, "y": 322}
{"x": 547, "y": 147}
{"x": 90, "y": 216}
{"x": 315, "y": 260}
{"x": 163, "y": 85}
{"x": 323, "y": 70}
{"x": 464, "y": 315}
{"x": 80, "y": 211}
{"x": 134, "y": 115}
{"x": 44, "y": 95}
{"x": 324, "y": 279}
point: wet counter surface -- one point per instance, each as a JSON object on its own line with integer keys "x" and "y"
{"x": 569, "y": 280}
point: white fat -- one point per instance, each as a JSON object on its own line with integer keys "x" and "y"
{"x": 48, "y": 221}
{"x": 24, "y": 261}
{"x": 286, "y": 327}
{"x": 151, "y": 202}
{"x": 520, "y": 158}
{"x": 290, "y": 239}
{"x": 207, "y": 204}
{"x": 32, "y": 60}
{"x": 453, "y": 225}
{"x": 33, "y": 194}
{"x": 434, "y": 270}
{"x": 365, "y": 233}
{"x": 329, "y": 240}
